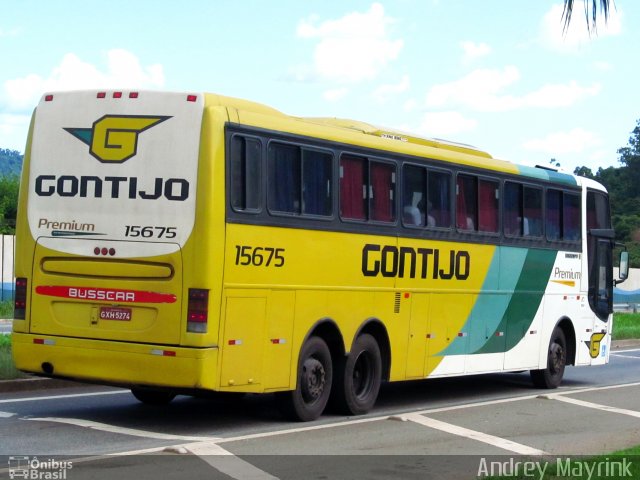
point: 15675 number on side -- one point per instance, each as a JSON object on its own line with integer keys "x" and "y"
{"x": 259, "y": 256}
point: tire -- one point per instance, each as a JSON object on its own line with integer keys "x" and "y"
{"x": 358, "y": 377}
{"x": 551, "y": 377}
{"x": 313, "y": 384}
{"x": 153, "y": 397}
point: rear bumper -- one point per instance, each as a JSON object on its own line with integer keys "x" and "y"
{"x": 117, "y": 363}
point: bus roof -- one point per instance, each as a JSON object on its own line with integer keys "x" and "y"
{"x": 470, "y": 154}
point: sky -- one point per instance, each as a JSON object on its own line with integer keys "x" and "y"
{"x": 501, "y": 75}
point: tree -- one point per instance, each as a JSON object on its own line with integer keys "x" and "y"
{"x": 9, "y": 186}
{"x": 590, "y": 12}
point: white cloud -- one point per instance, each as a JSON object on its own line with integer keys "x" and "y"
{"x": 446, "y": 123}
{"x": 335, "y": 94}
{"x": 385, "y": 92}
{"x": 10, "y": 33}
{"x": 576, "y": 140}
{"x": 553, "y": 35}
{"x": 124, "y": 70}
{"x": 13, "y": 130}
{"x": 478, "y": 90}
{"x": 484, "y": 90}
{"x": 602, "y": 66}
{"x": 352, "y": 48}
{"x": 473, "y": 51}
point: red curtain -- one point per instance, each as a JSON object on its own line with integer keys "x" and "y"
{"x": 382, "y": 190}
{"x": 488, "y": 207}
{"x": 351, "y": 188}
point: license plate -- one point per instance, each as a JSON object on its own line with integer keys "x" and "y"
{"x": 115, "y": 313}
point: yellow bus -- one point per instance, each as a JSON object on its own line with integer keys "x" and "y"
{"x": 173, "y": 243}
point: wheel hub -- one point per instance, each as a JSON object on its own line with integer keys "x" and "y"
{"x": 313, "y": 379}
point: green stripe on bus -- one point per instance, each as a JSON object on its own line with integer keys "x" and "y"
{"x": 502, "y": 316}
{"x": 524, "y": 302}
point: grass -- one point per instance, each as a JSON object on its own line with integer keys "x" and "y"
{"x": 7, "y": 369}
{"x": 6, "y": 309}
{"x": 626, "y": 326}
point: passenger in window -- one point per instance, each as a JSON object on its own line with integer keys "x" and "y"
{"x": 412, "y": 215}
{"x": 431, "y": 221}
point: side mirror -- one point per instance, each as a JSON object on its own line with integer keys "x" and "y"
{"x": 624, "y": 267}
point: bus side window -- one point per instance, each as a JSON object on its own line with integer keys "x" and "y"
{"x": 284, "y": 178}
{"x": 317, "y": 185}
{"x": 413, "y": 195}
{"x": 439, "y": 199}
{"x": 488, "y": 206}
{"x": 512, "y": 216}
{"x": 532, "y": 224}
{"x": 553, "y": 215}
{"x": 466, "y": 202}
{"x": 382, "y": 191}
{"x": 352, "y": 187}
{"x": 246, "y": 189}
{"x": 571, "y": 217}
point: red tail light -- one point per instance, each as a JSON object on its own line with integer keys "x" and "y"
{"x": 198, "y": 310}
{"x": 20, "y": 299}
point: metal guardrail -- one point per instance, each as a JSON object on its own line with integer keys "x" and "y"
{"x": 625, "y": 307}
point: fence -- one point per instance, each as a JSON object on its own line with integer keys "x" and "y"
{"x": 7, "y": 262}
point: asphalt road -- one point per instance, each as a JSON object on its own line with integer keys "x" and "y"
{"x": 449, "y": 428}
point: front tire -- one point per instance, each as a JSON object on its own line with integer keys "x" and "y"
{"x": 150, "y": 396}
{"x": 358, "y": 377}
{"x": 313, "y": 385}
{"x": 551, "y": 377}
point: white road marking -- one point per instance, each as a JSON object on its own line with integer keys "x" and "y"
{"x": 254, "y": 436}
{"x": 499, "y": 442}
{"x": 615, "y": 352}
{"x": 105, "y": 427}
{"x": 6, "y": 414}
{"x": 226, "y": 462}
{"x": 597, "y": 406}
{"x": 626, "y": 356}
{"x": 56, "y": 397}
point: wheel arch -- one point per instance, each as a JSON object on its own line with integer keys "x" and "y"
{"x": 327, "y": 329}
{"x": 374, "y": 327}
{"x": 566, "y": 325}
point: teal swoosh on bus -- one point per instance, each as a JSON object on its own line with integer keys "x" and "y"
{"x": 524, "y": 303}
{"x": 498, "y": 320}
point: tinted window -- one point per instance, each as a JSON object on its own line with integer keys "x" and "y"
{"x": 245, "y": 173}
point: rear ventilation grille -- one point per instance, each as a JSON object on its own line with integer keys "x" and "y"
{"x": 396, "y": 303}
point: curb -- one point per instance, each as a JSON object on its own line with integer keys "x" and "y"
{"x": 620, "y": 344}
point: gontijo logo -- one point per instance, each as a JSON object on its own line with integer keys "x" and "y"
{"x": 114, "y": 138}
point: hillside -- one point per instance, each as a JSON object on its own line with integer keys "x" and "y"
{"x": 10, "y": 162}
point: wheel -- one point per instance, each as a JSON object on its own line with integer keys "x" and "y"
{"x": 153, "y": 397}
{"x": 551, "y": 376}
{"x": 358, "y": 377}
{"x": 313, "y": 385}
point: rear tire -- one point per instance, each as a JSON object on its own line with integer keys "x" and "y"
{"x": 150, "y": 396}
{"x": 551, "y": 377}
{"x": 313, "y": 385}
{"x": 358, "y": 377}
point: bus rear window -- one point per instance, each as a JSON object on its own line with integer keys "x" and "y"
{"x": 245, "y": 173}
